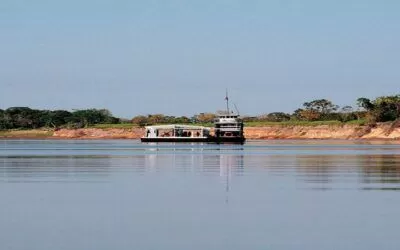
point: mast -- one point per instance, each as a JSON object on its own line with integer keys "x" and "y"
{"x": 227, "y": 101}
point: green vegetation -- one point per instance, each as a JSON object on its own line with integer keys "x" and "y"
{"x": 204, "y": 119}
{"x": 312, "y": 113}
{"x": 292, "y": 123}
{"x": 324, "y": 112}
{"x": 359, "y": 122}
{"x": 27, "y": 118}
{"x": 303, "y": 123}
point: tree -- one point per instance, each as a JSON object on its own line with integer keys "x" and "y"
{"x": 275, "y": 117}
{"x": 156, "y": 118}
{"x": 204, "y": 117}
{"x": 322, "y": 106}
{"x": 297, "y": 114}
{"x": 386, "y": 108}
{"x": 320, "y": 109}
{"x": 23, "y": 117}
{"x": 382, "y": 109}
{"x": 310, "y": 115}
{"x": 181, "y": 119}
{"x": 305, "y": 115}
{"x": 365, "y": 103}
{"x": 55, "y": 118}
{"x": 140, "y": 120}
{"x": 86, "y": 117}
{"x": 5, "y": 120}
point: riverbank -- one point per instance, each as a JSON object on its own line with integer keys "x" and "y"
{"x": 380, "y": 131}
{"x": 26, "y": 134}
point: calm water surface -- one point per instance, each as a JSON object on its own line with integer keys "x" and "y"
{"x": 121, "y": 194}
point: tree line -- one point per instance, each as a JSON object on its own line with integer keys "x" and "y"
{"x": 381, "y": 109}
{"x": 27, "y": 118}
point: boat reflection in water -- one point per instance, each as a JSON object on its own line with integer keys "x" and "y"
{"x": 224, "y": 161}
{"x": 230, "y": 164}
{"x": 197, "y": 156}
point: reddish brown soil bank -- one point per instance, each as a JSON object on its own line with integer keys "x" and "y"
{"x": 382, "y": 131}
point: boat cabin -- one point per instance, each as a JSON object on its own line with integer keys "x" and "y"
{"x": 176, "y": 132}
{"x": 228, "y": 127}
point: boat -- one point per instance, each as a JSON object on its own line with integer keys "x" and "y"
{"x": 176, "y": 133}
{"x": 228, "y": 128}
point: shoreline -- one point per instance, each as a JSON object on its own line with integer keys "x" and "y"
{"x": 276, "y": 132}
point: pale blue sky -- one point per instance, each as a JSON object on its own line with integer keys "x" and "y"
{"x": 178, "y": 57}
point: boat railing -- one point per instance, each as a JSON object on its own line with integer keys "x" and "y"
{"x": 232, "y": 129}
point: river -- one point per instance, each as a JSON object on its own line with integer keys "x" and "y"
{"x": 122, "y": 194}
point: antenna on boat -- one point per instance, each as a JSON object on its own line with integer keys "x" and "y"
{"x": 227, "y": 101}
{"x": 237, "y": 110}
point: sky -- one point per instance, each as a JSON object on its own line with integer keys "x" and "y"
{"x": 179, "y": 57}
